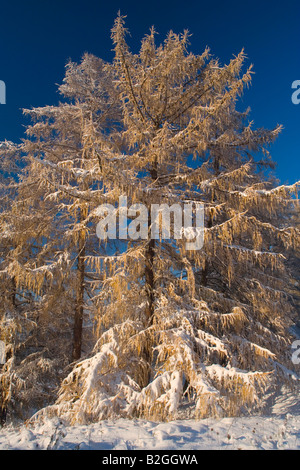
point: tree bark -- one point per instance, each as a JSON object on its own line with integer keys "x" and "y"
{"x": 149, "y": 260}
{"x": 149, "y": 280}
{"x": 78, "y": 319}
{"x": 204, "y": 273}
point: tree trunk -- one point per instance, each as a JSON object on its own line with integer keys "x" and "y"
{"x": 149, "y": 260}
{"x": 13, "y": 292}
{"x": 204, "y": 273}
{"x": 78, "y": 320}
{"x": 149, "y": 280}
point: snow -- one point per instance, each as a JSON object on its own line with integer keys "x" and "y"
{"x": 278, "y": 430}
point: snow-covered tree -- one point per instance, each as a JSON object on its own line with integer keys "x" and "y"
{"x": 28, "y": 377}
{"x": 46, "y": 231}
{"x": 201, "y": 331}
{"x": 141, "y": 325}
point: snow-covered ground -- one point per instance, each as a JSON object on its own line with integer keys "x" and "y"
{"x": 279, "y": 430}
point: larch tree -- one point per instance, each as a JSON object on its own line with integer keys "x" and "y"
{"x": 30, "y": 272}
{"x": 46, "y": 230}
{"x": 9, "y": 320}
{"x": 206, "y": 331}
{"x": 176, "y": 329}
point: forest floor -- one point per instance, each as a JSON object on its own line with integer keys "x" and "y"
{"x": 279, "y": 429}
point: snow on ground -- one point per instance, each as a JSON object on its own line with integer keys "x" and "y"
{"x": 279, "y": 430}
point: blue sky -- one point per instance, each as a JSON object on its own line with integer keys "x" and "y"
{"x": 38, "y": 37}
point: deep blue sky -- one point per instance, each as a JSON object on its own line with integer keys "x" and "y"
{"x": 38, "y": 37}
